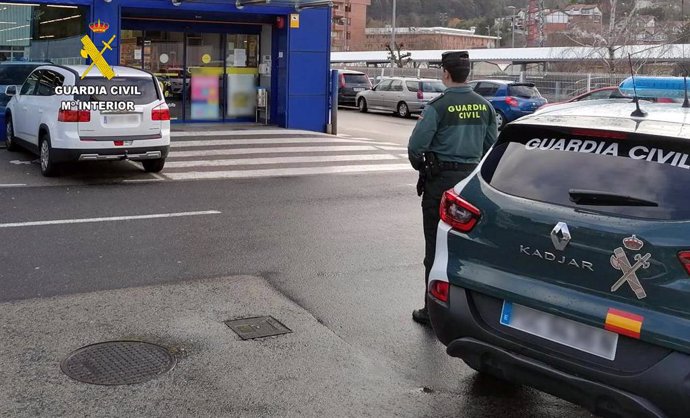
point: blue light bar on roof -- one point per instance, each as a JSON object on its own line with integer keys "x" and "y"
{"x": 672, "y": 87}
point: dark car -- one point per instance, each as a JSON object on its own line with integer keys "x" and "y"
{"x": 12, "y": 73}
{"x": 510, "y": 99}
{"x": 351, "y": 83}
{"x": 563, "y": 260}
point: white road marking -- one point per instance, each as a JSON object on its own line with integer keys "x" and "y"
{"x": 13, "y": 185}
{"x": 179, "y": 134}
{"x": 143, "y": 180}
{"x": 256, "y": 141}
{"x": 272, "y": 150}
{"x": 109, "y": 219}
{"x": 395, "y": 148}
{"x": 20, "y": 162}
{"x": 279, "y": 160}
{"x": 282, "y": 172}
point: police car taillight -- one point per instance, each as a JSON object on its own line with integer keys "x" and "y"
{"x": 439, "y": 290}
{"x": 74, "y": 115}
{"x": 457, "y": 212}
{"x": 684, "y": 258}
{"x": 160, "y": 114}
{"x": 420, "y": 94}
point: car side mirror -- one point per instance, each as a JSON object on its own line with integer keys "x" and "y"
{"x": 11, "y": 90}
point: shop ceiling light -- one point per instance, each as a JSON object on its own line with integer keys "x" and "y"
{"x": 18, "y": 39}
{"x": 19, "y": 4}
{"x": 16, "y": 27}
{"x": 60, "y": 20}
{"x": 63, "y": 7}
{"x": 8, "y": 23}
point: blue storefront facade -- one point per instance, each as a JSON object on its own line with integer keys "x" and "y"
{"x": 211, "y": 57}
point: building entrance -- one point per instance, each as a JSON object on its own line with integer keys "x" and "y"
{"x": 206, "y": 76}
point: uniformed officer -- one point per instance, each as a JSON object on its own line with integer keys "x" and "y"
{"x": 458, "y": 128}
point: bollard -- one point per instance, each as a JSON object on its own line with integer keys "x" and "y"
{"x": 335, "y": 85}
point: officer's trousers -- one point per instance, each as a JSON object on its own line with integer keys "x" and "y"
{"x": 431, "y": 201}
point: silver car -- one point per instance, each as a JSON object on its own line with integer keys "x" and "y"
{"x": 401, "y": 95}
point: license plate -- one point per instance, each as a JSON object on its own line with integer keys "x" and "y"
{"x": 358, "y": 89}
{"x": 120, "y": 119}
{"x": 592, "y": 340}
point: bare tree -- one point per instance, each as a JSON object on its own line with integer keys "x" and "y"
{"x": 610, "y": 41}
{"x": 396, "y": 56}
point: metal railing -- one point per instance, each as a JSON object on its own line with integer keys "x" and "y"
{"x": 554, "y": 86}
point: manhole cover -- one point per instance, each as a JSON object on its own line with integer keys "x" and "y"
{"x": 258, "y": 327}
{"x": 118, "y": 363}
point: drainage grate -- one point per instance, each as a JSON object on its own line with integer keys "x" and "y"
{"x": 118, "y": 363}
{"x": 258, "y": 327}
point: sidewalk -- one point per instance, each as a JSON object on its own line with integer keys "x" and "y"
{"x": 309, "y": 372}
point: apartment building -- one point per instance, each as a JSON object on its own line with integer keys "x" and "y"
{"x": 349, "y": 23}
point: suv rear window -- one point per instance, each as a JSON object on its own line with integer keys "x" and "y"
{"x": 526, "y": 91}
{"x": 547, "y": 165}
{"x": 356, "y": 79}
{"x": 145, "y": 84}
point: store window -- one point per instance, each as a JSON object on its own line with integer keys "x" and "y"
{"x": 42, "y": 32}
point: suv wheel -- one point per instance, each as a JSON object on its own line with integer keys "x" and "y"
{"x": 153, "y": 166}
{"x": 362, "y": 105}
{"x": 403, "y": 110}
{"x": 48, "y": 167}
{"x": 9, "y": 140}
{"x": 500, "y": 120}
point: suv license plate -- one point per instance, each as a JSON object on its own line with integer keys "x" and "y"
{"x": 358, "y": 89}
{"x": 597, "y": 341}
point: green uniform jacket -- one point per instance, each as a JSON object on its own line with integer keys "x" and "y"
{"x": 459, "y": 126}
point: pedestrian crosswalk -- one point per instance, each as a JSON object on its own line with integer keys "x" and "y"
{"x": 276, "y": 153}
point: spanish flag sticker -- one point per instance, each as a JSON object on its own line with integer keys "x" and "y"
{"x": 624, "y": 323}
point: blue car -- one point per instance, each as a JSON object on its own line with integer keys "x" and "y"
{"x": 563, "y": 261}
{"x": 510, "y": 99}
{"x": 12, "y": 73}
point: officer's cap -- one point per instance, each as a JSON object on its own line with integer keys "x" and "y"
{"x": 455, "y": 59}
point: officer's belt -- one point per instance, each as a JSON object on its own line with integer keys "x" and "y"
{"x": 448, "y": 166}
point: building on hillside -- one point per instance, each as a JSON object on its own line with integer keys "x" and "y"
{"x": 578, "y": 13}
{"x": 427, "y": 38}
{"x": 349, "y": 23}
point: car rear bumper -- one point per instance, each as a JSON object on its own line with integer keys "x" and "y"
{"x": 661, "y": 390}
{"x": 61, "y": 155}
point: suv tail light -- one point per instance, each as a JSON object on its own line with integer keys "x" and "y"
{"x": 420, "y": 94}
{"x": 512, "y": 101}
{"x": 342, "y": 81}
{"x": 684, "y": 258}
{"x": 160, "y": 114}
{"x": 74, "y": 115}
{"x": 439, "y": 290}
{"x": 457, "y": 212}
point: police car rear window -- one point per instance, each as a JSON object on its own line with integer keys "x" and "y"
{"x": 547, "y": 166}
{"x": 140, "y": 90}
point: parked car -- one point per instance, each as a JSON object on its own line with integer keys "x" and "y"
{"x": 563, "y": 260}
{"x": 403, "y": 96}
{"x": 13, "y": 73}
{"x": 351, "y": 83}
{"x": 510, "y": 99}
{"x": 57, "y": 128}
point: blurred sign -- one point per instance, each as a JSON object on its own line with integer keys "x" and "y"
{"x": 294, "y": 21}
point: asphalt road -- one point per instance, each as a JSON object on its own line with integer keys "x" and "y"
{"x": 345, "y": 249}
{"x": 378, "y": 125}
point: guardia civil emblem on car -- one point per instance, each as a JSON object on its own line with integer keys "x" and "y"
{"x": 620, "y": 261}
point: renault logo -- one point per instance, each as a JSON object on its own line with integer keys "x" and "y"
{"x": 560, "y": 236}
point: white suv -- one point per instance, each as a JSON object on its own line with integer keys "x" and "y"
{"x": 62, "y": 117}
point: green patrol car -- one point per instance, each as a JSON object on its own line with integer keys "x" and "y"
{"x": 563, "y": 261}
